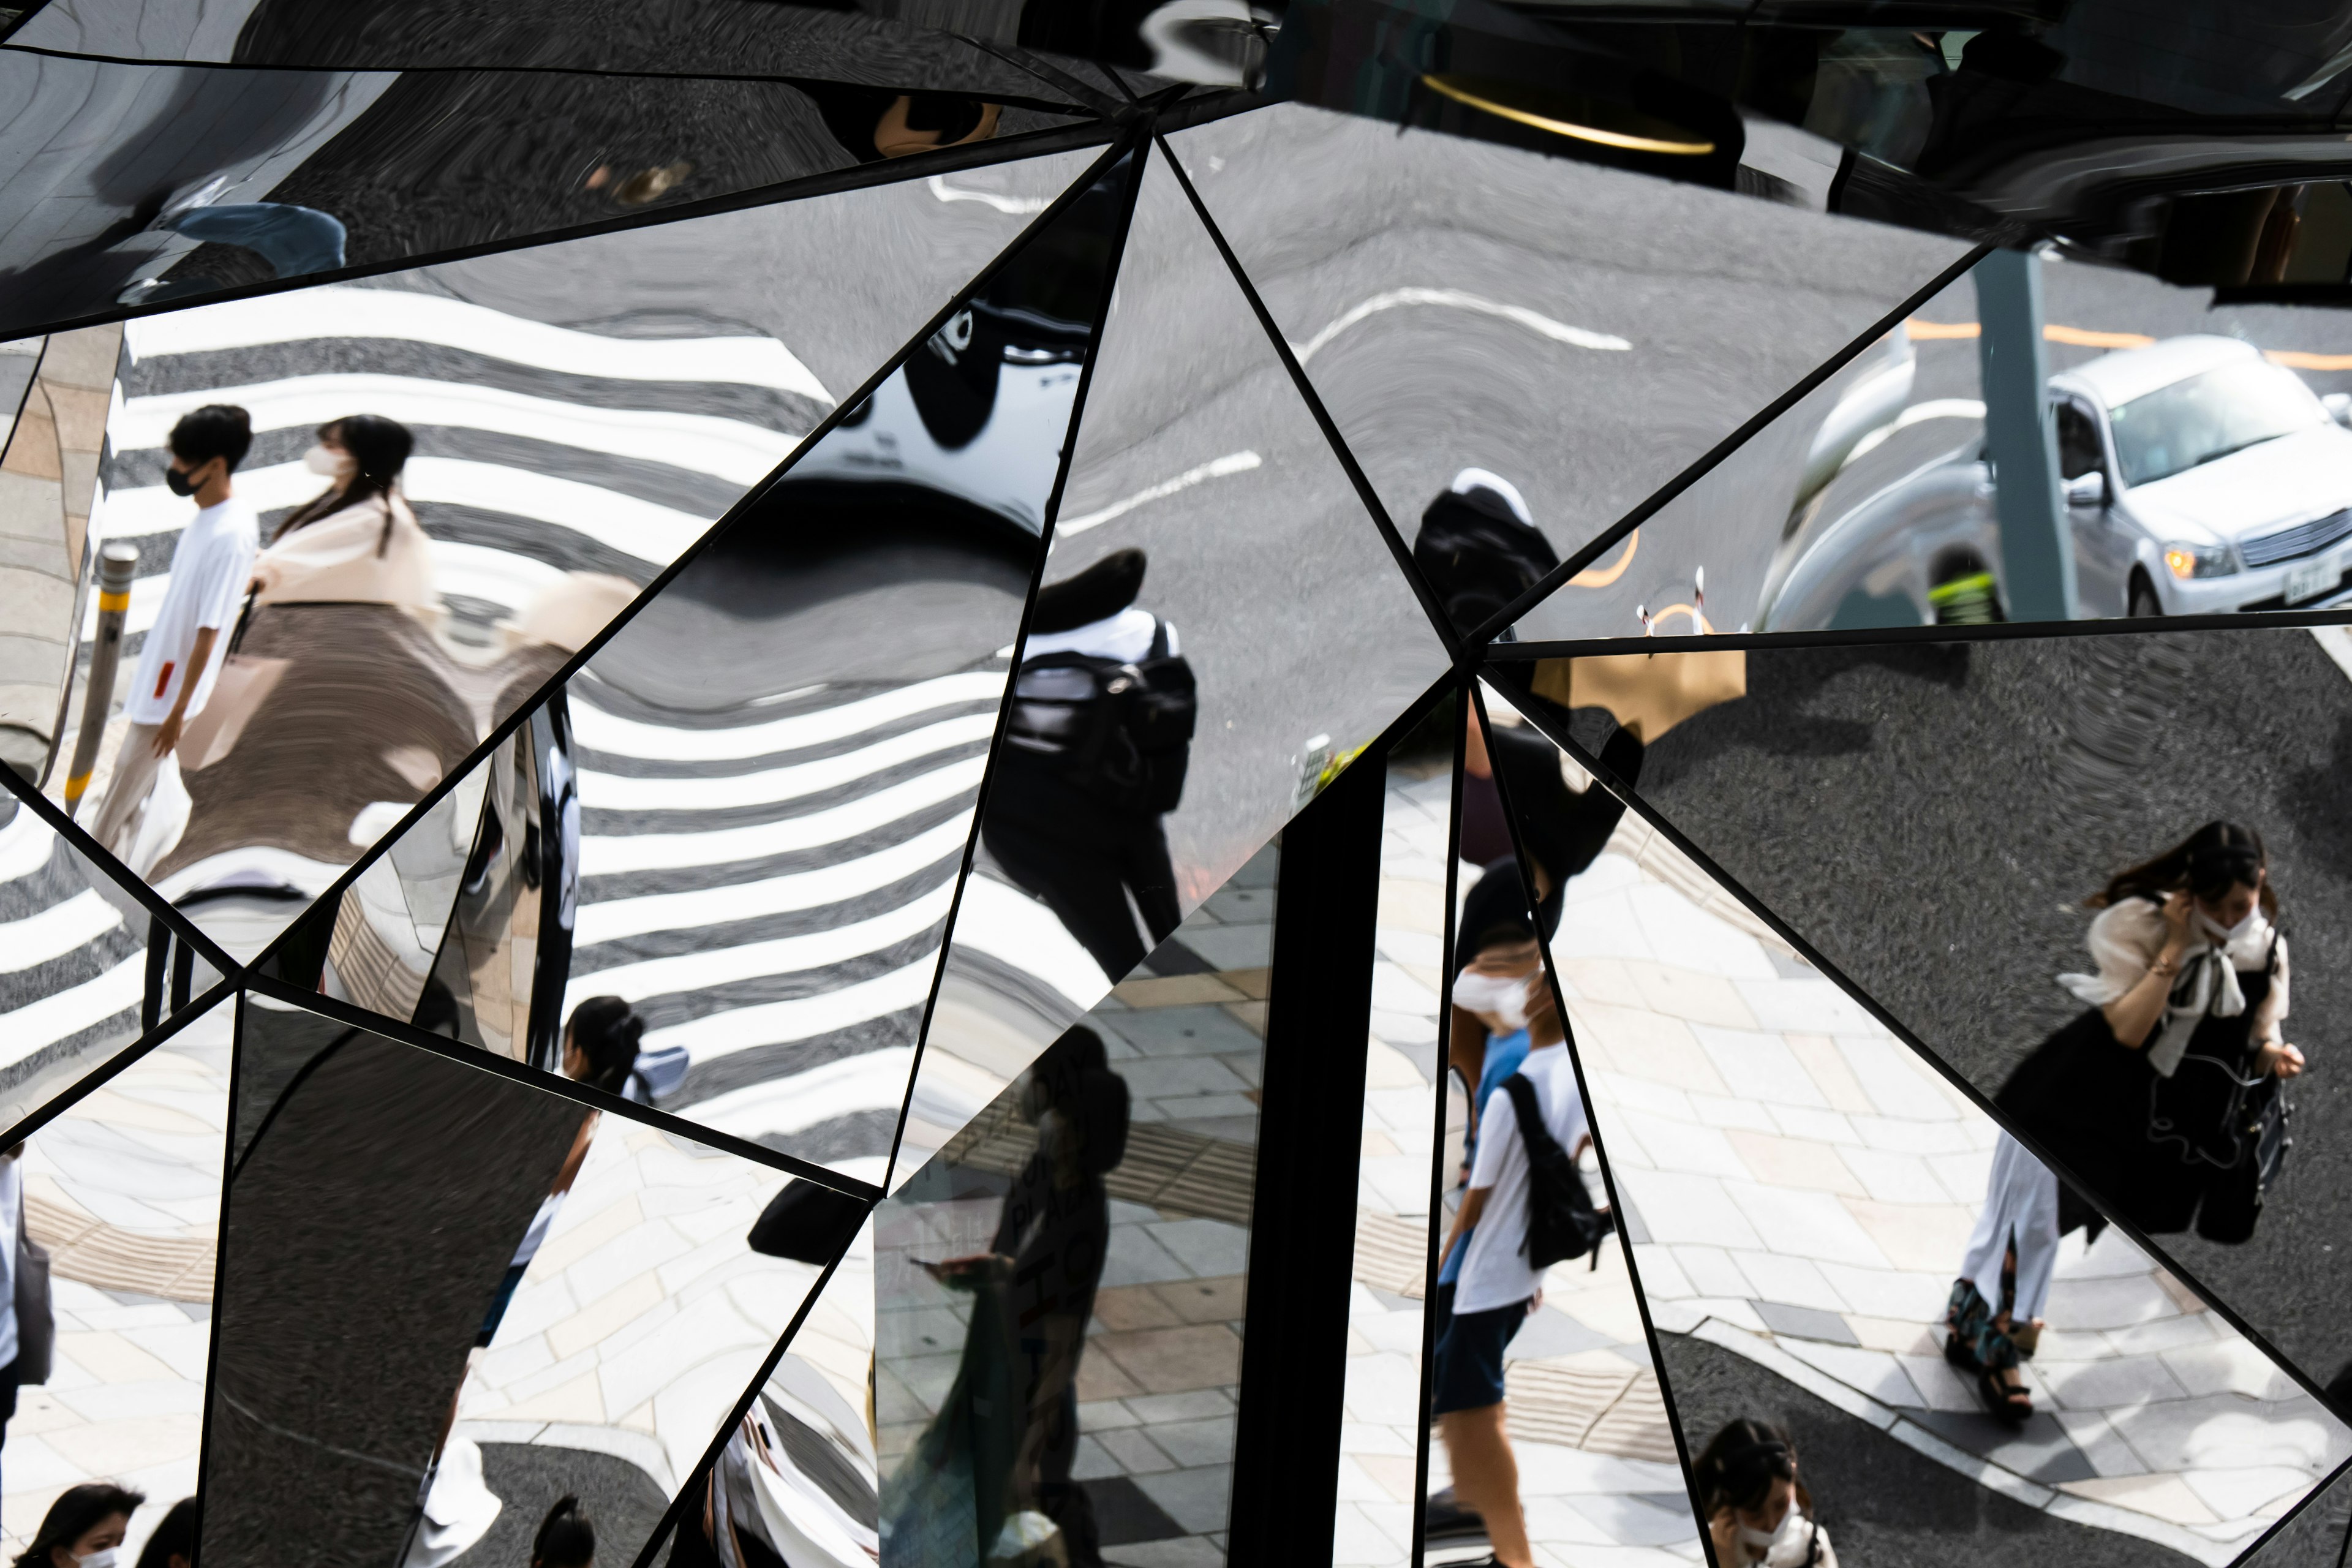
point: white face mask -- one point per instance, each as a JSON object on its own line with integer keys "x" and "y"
{"x": 1502, "y": 996}
{"x": 2222, "y": 933}
{"x": 105, "y": 1559}
{"x": 332, "y": 465}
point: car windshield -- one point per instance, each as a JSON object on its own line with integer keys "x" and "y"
{"x": 2211, "y": 415}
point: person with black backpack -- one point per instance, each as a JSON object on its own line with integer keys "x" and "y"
{"x": 1525, "y": 1209}
{"x": 1478, "y": 549}
{"x": 1095, "y": 749}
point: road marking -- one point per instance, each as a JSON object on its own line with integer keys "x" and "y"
{"x": 1457, "y": 300}
{"x": 1216, "y": 468}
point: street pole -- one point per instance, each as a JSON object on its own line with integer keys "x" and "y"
{"x": 2037, "y": 557}
{"x": 117, "y": 562}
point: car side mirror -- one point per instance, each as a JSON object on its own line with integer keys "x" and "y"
{"x": 2087, "y": 490}
{"x": 2339, "y": 407}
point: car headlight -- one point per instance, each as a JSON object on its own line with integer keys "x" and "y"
{"x": 2198, "y": 560}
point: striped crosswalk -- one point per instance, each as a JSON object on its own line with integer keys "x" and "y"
{"x": 71, "y": 971}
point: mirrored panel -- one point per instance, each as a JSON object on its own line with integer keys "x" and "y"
{"x": 1951, "y": 1341}
{"x": 557, "y": 425}
{"x": 113, "y": 1214}
{"x": 798, "y": 1474}
{"x": 2163, "y": 454}
{"x": 1547, "y": 1431}
{"x": 129, "y": 184}
{"x": 719, "y": 861}
{"x": 86, "y": 969}
{"x": 1059, "y": 1293}
{"x": 1965, "y": 831}
{"x": 600, "y": 1295}
{"x": 1520, "y": 349}
{"x": 1221, "y": 629}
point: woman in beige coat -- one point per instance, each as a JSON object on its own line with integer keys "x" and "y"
{"x": 357, "y": 543}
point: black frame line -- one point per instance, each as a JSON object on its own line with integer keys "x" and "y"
{"x": 862, "y": 176}
{"x": 555, "y": 1084}
{"x": 1601, "y": 1153}
{"x": 301, "y": 1075}
{"x": 609, "y": 73}
{"x": 1458, "y": 647}
{"x": 98, "y": 856}
{"x": 1092, "y": 99}
{"x": 674, "y": 1515}
{"x": 1529, "y": 706}
{"x": 121, "y": 1061}
{"x": 1608, "y": 537}
{"x": 686, "y": 557}
{"x": 2318, "y": 1491}
{"x": 1443, "y": 1089}
{"x": 2345, "y": 1550}
{"x": 1999, "y": 631}
{"x": 1141, "y": 148}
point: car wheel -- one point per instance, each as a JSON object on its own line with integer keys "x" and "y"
{"x": 2144, "y": 601}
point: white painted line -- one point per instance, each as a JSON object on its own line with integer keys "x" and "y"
{"x": 803, "y": 1017}
{"x": 71, "y": 1011}
{"x": 56, "y": 930}
{"x": 604, "y": 857}
{"x": 784, "y": 955}
{"x": 1216, "y": 468}
{"x": 616, "y": 792}
{"x": 602, "y": 732}
{"x": 1458, "y": 299}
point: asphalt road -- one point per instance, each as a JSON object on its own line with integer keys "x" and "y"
{"x": 1930, "y": 817}
{"x": 1884, "y": 1504}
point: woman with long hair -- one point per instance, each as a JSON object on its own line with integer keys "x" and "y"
{"x": 356, "y": 542}
{"x": 2159, "y": 1095}
{"x": 1757, "y": 1512}
{"x": 84, "y": 1522}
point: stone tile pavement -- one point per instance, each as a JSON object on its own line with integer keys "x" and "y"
{"x": 124, "y": 1190}
{"x": 1803, "y": 1185}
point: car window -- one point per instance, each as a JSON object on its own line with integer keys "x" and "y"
{"x": 2175, "y": 428}
{"x": 2078, "y": 443}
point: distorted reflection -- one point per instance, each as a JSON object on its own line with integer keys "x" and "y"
{"x": 1059, "y": 1292}
{"x": 109, "y": 1225}
{"x": 743, "y": 821}
{"x": 1839, "y": 1248}
{"x": 291, "y": 173}
{"x": 2184, "y": 456}
{"x": 411, "y": 503}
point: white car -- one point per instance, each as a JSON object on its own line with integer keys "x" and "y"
{"x": 2197, "y": 477}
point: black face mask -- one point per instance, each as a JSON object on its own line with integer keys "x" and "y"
{"x": 181, "y": 485}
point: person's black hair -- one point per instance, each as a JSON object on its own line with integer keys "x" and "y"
{"x": 176, "y": 1533}
{"x": 566, "y": 1538}
{"x": 1073, "y": 1075}
{"x": 606, "y": 1030}
{"x": 379, "y": 449}
{"x": 2207, "y": 864}
{"x": 216, "y": 430}
{"x": 1739, "y": 1463}
{"x": 1097, "y": 592}
{"x": 78, "y": 1511}
{"x": 1494, "y": 911}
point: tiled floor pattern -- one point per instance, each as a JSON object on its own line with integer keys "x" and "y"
{"x": 124, "y": 1190}
{"x": 1162, "y": 1366}
{"x": 645, "y": 1314}
{"x": 1803, "y": 1187}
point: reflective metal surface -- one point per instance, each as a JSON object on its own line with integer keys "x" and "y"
{"x": 270, "y": 174}
{"x": 745, "y": 818}
{"x": 1579, "y": 332}
{"x": 1210, "y": 538}
{"x": 1813, "y": 1209}
{"x": 1058, "y": 1294}
{"x": 581, "y": 414}
{"x": 2196, "y": 465}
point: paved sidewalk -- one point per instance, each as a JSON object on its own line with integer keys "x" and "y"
{"x": 124, "y": 1189}
{"x": 1803, "y": 1186}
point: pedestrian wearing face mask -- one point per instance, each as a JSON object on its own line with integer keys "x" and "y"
{"x": 357, "y": 542}
{"x": 187, "y": 641}
{"x": 2165, "y": 1097}
{"x": 1758, "y": 1514}
{"x": 83, "y": 1528}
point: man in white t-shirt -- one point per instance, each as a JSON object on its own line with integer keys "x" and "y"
{"x": 1497, "y": 1286}
{"x": 181, "y": 656}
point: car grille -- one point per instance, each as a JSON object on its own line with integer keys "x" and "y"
{"x": 2301, "y": 540}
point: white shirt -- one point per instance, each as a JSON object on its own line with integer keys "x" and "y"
{"x": 1496, "y": 1271}
{"x": 1125, "y": 636}
{"x": 210, "y": 567}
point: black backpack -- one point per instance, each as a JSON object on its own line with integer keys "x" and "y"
{"x": 1562, "y": 1221}
{"x": 1476, "y": 557}
{"x": 1122, "y": 733}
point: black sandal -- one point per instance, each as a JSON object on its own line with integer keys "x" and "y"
{"x": 2010, "y": 1402}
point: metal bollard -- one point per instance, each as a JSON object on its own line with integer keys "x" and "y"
{"x": 117, "y": 561}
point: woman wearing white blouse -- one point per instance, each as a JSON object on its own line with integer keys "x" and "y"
{"x": 2155, "y": 1096}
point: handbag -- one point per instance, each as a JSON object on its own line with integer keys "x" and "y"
{"x": 36, "y": 1322}
{"x": 1649, "y": 693}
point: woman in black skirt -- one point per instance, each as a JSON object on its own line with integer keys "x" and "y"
{"x": 2157, "y": 1096}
